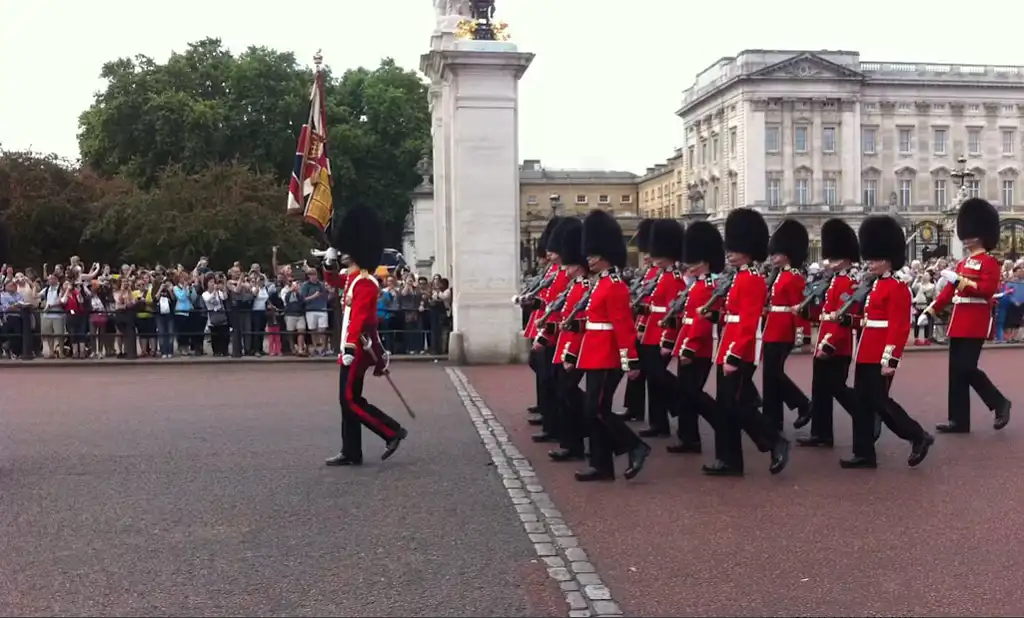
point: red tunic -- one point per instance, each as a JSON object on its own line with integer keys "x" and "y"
{"x": 781, "y": 324}
{"x": 743, "y": 308}
{"x": 609, "y": 339}
{"x": 886, "y": 323}
{"x": 833, "y": 338}
{"x": 567, "y": 348}
{"x": 360, "y": 314}
{"x": 641, "y": 318}
{"x": 696, "y": 333}
{"x": 531, "y": 328}
{"x": 547, "y": 332}
{"x": 971, "y": 297}
{"x": 670, "y": 284}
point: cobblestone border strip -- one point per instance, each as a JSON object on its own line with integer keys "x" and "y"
{"x": 552, "y": 539}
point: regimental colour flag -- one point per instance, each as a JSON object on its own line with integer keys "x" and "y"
{"x": 309, "y": 191}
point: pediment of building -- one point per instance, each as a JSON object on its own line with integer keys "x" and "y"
{"x": 807, "y": 66}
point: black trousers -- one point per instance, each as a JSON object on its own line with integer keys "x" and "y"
{"x": 737, "y": 413}
{"x": 964, "y": 375}
{"x": 694, "y": 403}
{"x": 534, "y": 361}
{"x": 572, "y": 425}
{"x": 635, "y": 400}
{"x": 356, "y": 411}
{"x": 777, "y": 388}
{"x": 828, "y": 384}
{"x": 872, "y": 390}
{"x": 609, "y": 433}
{"x": 660, "y": 386}
{"x": 548, "y": 403}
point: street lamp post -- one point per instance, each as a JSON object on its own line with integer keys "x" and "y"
{"x": 961, "y": 176}
{"x": 556, "y": 201}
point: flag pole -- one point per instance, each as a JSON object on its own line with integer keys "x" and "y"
{"x": 317, "y": 61}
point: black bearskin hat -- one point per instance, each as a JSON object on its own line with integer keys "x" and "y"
{"x": 360, "y": 236}
{"x": 747, "y": 233}
{"x": 791, "y": 240}
{"x": 553, "y": 242}
{"x": 667, "y": 240}
{"x": 704, "y": 244}
{"x": 978, "y": 219}
{"x": 570, "y": 248}
{"x": 643, "y": 235}
{"x": 545, "y": 237}
{"x": 602, "y": 236}
{"x": 882, "y": 238}
{"x": 839, "y": 241}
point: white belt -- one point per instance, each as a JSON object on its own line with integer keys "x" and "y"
{"x": 779, "y": 309}
{"x": 687, "y": 320}
{"x": 657, "y": 309}
{"x": 876, "y": 323}
{"x": 599, "y": 326}
{"x": 732, "y": 319}
{"x": 969, "y": 300}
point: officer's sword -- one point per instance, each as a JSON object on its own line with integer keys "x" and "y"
{"x": 387, "y": 376}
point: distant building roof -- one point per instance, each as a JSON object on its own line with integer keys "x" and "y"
{"x": 532, "y": 171}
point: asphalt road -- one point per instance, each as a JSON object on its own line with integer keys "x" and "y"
{"x": 943, "y": 539}
{"x": 194, "y": 491}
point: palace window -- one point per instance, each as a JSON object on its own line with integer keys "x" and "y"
{"x": 939, "y": 141}
{"x": 831, "y": 192}
{"x": 940, "y": 193}
{"x": 974, "y": 141}
{"x": 800, "y": 139}
{"x": 828, "y": 140}
{"x": 867, "y": 140}
{"x": 870, "y": 190}
{"x": 771, "y": 139}
{"x": 1008, "y": 193}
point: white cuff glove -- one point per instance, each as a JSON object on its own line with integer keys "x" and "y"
{"x": 949, "y": 276}
{"x": 329, "y": 256}
{"x": 347, "y": 359}
{"x": 922, "y": 319}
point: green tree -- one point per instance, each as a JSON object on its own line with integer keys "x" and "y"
{"x": 206, "y": 106}
{"x": 226, "y": 212}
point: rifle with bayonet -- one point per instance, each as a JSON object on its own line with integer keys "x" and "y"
{"x": 676, "y": 307}
{"x": 722, "y": 287}
{"x": 536, "y": 285}
{"x": 553, "y": 306}
{"x": 859, "y": 295}
{"x": 643, "y": 291}
{"x": 814, "y": 292}
{"x": 566, "y": 324}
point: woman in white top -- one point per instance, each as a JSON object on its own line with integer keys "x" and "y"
{"x": 261, "y": 293}
{"x": 924, "y": 293}
{"x": 215, "y": 298}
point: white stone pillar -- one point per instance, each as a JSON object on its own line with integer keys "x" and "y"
{"x": 482, "y": 188}
{"x": 850, "y": 147}
{"x": 423, "y": 231}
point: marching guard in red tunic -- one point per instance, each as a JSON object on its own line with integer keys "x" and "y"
{"x": 360, "y": 236}
{"x": 783, "y": 328}
{"x": 885, "y": 321}
{"x": 572, "y": 425}
{"x": 608, "y": 351}
{"x": 970, "y": 287}
{"x": 834, "y": 348}
{"x": 666, "y": 247}
{"x": 546, "y": 323}
{"x": 746, "y": 241}
{"x": 694, "y": 346}
{"x": 540, "y": 363}
{"x": 635, "y": 399}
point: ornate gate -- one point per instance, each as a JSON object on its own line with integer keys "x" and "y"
{"x": 1011, "y": 240}
{"x": 927, "y": 239}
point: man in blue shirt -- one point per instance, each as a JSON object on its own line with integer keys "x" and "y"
{"x": 11, "y": 304}
{"x": 315, "y": 297}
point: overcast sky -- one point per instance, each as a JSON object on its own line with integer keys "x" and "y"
{"x": 601, "y": 93}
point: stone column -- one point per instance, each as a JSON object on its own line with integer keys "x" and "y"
{"x": 482, "y": 195}
{"x": 787, "y": 144}
{"x": 851, "y": 148}
{"x": 817, "y": 139}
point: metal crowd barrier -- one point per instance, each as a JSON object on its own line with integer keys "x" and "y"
{"x": 25, "y": 323}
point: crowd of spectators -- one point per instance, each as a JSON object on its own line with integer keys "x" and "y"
{"x": 83, "y": 311}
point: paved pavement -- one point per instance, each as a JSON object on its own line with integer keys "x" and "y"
{"x": 940, "y": 540}
{"x": 184, "y": 491}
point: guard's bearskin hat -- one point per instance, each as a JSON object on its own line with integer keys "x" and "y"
{"x": 553, "y": 242}
{"x": 704, "y": 244}
{"x": 667, "y": 240}
{"x": 839, "y": 241}
{"x": 570, "y": 247}
{"x": 978, "y": 219}
{"x": 747, "y": 233}
{"x": 360, "y": 236}
{"x": 882, "y": 238}
{"x": 643, "y": 235}
{"x": 545, "y": 238}
{"x": 602, "y": 236}
{"x": 790, "y": 239}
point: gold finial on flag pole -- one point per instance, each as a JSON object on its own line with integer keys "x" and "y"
{"x": 318, "y": 59}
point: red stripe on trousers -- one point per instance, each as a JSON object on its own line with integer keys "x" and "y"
{"x": 360, "y": 411}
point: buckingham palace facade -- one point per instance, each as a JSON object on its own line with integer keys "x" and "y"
{"x": 819, "y": 134}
